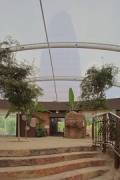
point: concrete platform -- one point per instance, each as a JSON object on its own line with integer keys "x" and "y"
{"x": 11, "y": 143}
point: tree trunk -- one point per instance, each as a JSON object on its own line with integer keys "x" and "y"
{"x": 25, "y": 129}
{"x": 18, "y": 126}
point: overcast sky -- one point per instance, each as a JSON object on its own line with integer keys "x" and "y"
{"x": 94, "y": 21}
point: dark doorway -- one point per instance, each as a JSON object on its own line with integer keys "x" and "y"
{"x": 56, "y": 126}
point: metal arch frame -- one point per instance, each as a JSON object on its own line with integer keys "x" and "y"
{"x": 108, "y": 47}
{"x": 48, "y": 45}
{"x": 57, "y": 78}
{"x": 85, "y": 45}
{"x": 62, "y": 78}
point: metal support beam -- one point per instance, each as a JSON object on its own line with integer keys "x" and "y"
{"x": 48, "y": 48}
{"x": 108, "y": 47}
{"x": 62, "y": 78}
{"x": 57, "y": 78}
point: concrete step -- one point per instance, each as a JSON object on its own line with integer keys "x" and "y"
{"x": 46, "y": 151}
{"x": 113, "y": 174}
{"x": 44, "y": 159}
{"x": 102, "y": 178}
{"x": 38, "y": 171}
{"x": 80, "y": 174}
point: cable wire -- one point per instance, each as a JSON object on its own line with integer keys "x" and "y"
{"x": 49, "y": 49}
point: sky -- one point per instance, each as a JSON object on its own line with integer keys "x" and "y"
{"x": 93, "y": 21}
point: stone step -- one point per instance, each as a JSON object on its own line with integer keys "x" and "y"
{"x": 37, "y": 171}
{"x": 102, "y": 178}
{"x": 44, "y": 151}
{"x": 79, "y": 174}
{"x": 44, "y": 159}
{"x": 113, "y": 174}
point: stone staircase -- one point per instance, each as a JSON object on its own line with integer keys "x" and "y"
{"x": 64, "y": 163}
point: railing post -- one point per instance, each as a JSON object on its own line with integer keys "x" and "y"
{"x": 117, "y": 145}
{"x": 109, "y": 133}
{"x": 104, "y": 134}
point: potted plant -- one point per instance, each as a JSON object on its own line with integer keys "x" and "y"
{"x": 75, "y": 126}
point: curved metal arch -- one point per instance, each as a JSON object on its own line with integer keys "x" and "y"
{"x": 85, "y": 45}
{"x": 63, "y": 78}
{"x": 57, "y": 78}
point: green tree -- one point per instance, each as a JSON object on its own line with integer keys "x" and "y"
{"x": 9, "y": 67}
{"x": 31, "y": 110}
{"x": 13, "y": 84}
{"x": 95, "y": 84}
{"x": 20, "y": 94}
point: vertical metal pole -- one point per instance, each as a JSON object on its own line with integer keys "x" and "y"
{"x": 117, "y": 145}
{"x": 104, "y": 134}
{"x": 117, "y": 141}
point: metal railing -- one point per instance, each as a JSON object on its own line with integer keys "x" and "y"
{"x": 106, "y": 133}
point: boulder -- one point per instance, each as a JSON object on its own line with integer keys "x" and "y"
{"x": 75, "y": 126}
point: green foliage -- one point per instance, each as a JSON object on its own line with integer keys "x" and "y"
{"x": 88, "y": 120}
{"x": 71, "y": 98}
{"x": 20, "y": 93}
{"x": 1, "y": 122}
{"x": 39, "y": 131}
{"x": 94, "y": 85}
{"x": 10, "y": 70}
{"x": 41, "y": 120}
{"x": 13, "y": 84}
{"x": 61, "y": 126}
{"x": 72, "y": 105}
{"x": 94, "y": 104}
{"x": 31, "y": 109}
{"x": 8, "y": 126}
{"x": 5, "y": 55}
{"x": 12, "y": 109}
{"x": 11, "y": 126}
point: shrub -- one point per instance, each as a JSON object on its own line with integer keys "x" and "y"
{"x": 39, "y": 131}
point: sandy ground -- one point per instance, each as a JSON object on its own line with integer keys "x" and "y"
{"x": 12, "y": 143}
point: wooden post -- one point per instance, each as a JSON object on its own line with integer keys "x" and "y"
{"x": 25, "y": 129}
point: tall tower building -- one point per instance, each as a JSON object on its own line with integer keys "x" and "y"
{"x": 66, "y": 61}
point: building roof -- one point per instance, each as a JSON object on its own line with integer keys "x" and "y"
{"x": 62, "y": 106}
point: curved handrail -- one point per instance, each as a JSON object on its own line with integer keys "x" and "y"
{"x": 101, "y": 114}
{"x": 106, "y": 132}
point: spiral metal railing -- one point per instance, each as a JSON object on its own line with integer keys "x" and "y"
{"x": 106, "y": 133}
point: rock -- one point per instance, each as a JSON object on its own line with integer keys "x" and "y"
{"x": 75, "y": 126}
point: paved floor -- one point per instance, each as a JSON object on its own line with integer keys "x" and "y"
{"x": 11, "y": 143}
